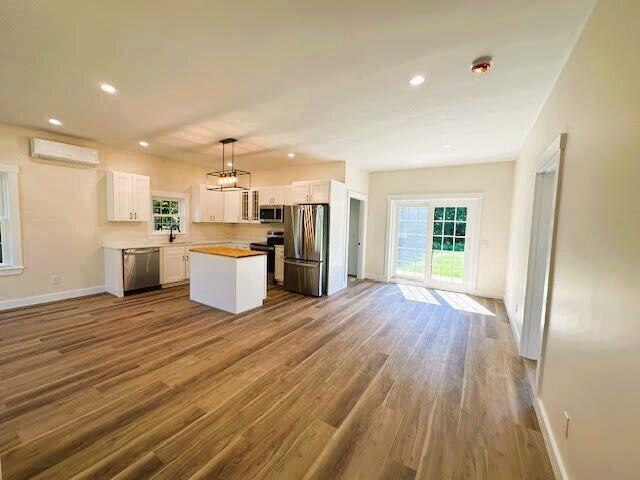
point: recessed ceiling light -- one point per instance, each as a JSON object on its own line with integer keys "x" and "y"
{"x": 291, "y": 155}
{"x": 105, "y": 87}
{"x": 445, "y": 146}
{"x": 55, "y": 121}
{"x": 144, "y": 144}
{"x": 417, "y": 80}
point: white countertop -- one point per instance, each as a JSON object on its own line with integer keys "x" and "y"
{"x": 149, "y": 243}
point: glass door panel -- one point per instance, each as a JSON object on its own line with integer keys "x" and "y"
{"x": 411, "y": 241}
{"x": 448, "y": 244}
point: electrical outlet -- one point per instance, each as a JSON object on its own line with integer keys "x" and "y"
{"x": 55, "y": 279}
{"x": 567, "y": 421}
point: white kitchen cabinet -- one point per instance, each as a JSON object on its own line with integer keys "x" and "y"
{"x": 279, "y": 266}
{"x": 206, "y": 205}
{"x": 250, "y": 206}
{"x": 175, "y": 264}
{"x": 288, "y": 195}
{"x": 128, "y": 197}
{"x": 272, "y": 195}
{"x": 310, "y": 192}
{"x": 232, "y": 213}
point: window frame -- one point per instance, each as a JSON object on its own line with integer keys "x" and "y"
{"x": 12, "y": 238}
{"x": 183, "y": 198}
{"x": 473, "y": 202}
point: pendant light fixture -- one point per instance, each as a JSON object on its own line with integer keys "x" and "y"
{"x": 228, "y": 179}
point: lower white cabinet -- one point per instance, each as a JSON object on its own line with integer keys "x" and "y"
{"x": 175, "y": 264}
{"x": 279, "y": 266}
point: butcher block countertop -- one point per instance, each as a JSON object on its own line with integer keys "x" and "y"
{"x": 227, "y": 252}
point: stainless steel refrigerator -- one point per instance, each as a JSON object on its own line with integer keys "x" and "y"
{"x": 306, "y": 234}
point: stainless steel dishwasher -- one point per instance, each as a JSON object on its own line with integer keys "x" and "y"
{"x": 141, "y": 268}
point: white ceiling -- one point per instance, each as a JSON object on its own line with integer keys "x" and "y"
{"x": 326, "y": 79}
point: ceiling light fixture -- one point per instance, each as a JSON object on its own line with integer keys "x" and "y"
{"x": 417, "y": 80}
{"x": 105, "y": 87}
{"x": 445, "y": 146}
{"x": 55, "y": 121}
{"x": 228, "y": 179}
{"x": 144, "y": 144}
{"x": 291, "y": 155}
{"x": 481, "y": 64}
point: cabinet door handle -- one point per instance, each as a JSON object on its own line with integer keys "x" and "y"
{"x": 130, "y": 216}
{"x": 135, "y": 215}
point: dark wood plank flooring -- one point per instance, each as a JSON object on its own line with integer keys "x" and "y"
{"x": 361, "y": 385}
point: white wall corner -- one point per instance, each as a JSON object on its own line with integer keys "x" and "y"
{"x": 550, "y": 443}
{"x": 50, "y": 297}
{"x": 514, "y": 326}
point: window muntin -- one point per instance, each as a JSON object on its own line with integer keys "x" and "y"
{"x": 167, "y": 212}
{"x": 448, "y": 244}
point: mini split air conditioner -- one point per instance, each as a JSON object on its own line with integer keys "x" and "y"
{"x": 64, "y": 152}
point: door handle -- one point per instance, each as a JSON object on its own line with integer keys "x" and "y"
{"x": 135, "y": 215}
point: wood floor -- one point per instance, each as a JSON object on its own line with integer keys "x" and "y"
{"x": 362, "y": 385}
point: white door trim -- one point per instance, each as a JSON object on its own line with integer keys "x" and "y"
{"x": 473, "y": 232}
{"x": 551, "y": 162}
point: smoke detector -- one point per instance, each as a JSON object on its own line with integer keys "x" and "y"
{"x": 481, "y": 64}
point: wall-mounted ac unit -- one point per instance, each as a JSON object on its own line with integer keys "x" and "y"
{"x": 64, "y": 152}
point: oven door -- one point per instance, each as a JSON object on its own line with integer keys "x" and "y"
{"x": 271, "y": 214}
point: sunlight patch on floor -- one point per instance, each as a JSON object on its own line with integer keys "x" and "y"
{"x": 418, "y": 294}
{"x": 461, "y": 301}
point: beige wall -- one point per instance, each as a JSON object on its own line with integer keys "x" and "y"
{"x": 591, "y": 364}
{"x": 63, "y": 209}
{"x": 356, "y": 179}
{"x": 493, "y": 180}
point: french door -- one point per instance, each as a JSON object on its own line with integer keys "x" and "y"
{"x": 432, "y": 241}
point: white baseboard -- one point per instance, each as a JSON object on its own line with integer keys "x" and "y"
{"x": 487, "y": 294}
{"x": 50, "y": 297}
{"x": 550, "y": 441}
{"x": 375, "y": 276}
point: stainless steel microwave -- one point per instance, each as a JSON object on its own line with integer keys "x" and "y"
{"x": 271, "y": 213}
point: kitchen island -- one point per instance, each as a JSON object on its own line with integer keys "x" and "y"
{"x": 229, "y": 279}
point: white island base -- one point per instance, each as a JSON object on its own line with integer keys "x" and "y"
{"x": 228, "y": 279}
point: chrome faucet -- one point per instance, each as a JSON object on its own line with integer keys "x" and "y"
{"x": 172, "y": 237}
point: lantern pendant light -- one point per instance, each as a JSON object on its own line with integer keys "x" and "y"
{"x": 228, "y": 179}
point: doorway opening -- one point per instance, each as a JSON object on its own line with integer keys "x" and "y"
{"x": 432, "y": 240}
{"x": 539, "y": 272}
{"x": 356, "y": 236}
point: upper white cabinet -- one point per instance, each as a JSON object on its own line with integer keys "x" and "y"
{"x": 250, "y": 206}
{"x": 232, "y": 202}
{"x": 128, "y": 197}
{"x": 272, "y": 195}
{"x": 310, "y": 192}
{"x": 206, "y": 205}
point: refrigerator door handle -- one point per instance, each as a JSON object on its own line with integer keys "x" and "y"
{"x": 302, "y": 263}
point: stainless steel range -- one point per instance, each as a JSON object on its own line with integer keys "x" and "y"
{"x": 273, "y": 238}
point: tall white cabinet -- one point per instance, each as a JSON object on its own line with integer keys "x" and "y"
{"x": 128, "y": 197}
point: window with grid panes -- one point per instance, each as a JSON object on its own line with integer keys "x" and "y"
{"x": 448, "y": 247}
{"x": 167, "y": 212}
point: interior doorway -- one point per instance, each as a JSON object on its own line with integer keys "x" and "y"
{"x": 356, "y": 235}
{"x": 541, "y": 251}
